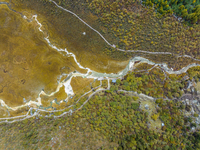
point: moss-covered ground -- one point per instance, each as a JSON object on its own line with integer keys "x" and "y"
{"x": 115, "y": 118}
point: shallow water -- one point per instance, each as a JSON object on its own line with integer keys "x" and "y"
{"x": 45, "y": 61}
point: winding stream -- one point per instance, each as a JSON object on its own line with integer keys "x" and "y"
{"x": 90, "y": 73}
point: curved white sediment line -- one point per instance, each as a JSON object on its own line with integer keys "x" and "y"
{"x": 37, "y": 113}
{"x": 17, "y": 116}
{"x": 94, "y": 75}
{"x": 42, "y": 110}
{"x": 38, "y": 103}
{"x": 142, "y": 60}
{"x": 129, "y": 66}
{"x": 163, "y": 65}
{"x": 98, "y": 87}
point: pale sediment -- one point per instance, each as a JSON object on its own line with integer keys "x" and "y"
{"x": 92, "y": 74}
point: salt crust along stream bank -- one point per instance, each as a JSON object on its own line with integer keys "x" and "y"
{"x": 89, "y": 74}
